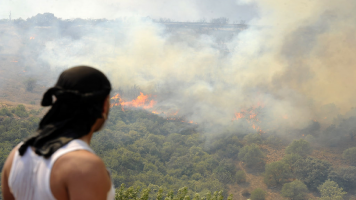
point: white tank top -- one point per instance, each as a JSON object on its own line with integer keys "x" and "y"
{"x": 30, "y": 174}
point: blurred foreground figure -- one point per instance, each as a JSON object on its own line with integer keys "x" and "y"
{"x": 57, "y": 163}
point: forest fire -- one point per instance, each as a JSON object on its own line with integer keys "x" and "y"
{"x": 250, "y": 115}
{"x": 142, "y": 101}
{"x": 145, "y": 102}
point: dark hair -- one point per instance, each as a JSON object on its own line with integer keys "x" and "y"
{"x": 80, "y": 93}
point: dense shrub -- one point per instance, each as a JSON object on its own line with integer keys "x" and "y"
{"x": 135, "y": 193}
{"x": 226, "y": 171}
{"x": 252, "y": 156}
{"x": 291, "y": 159}
{"x": 13, "y": 131}
{"x": 277, "y": 173}
{"x": 226, "y": 146}
{"x": 300, "y": 147}
{"x": 142, "y": 149}
{"x": 274, "y": 141}
{"x": 253, "y": 138}
{"x": 295, "y": 190}
{"x": 331, "y": 191}
{"x": 20, "y": 111}
{"x": 344, "y": 177}
{"x": 240, "y": 176}
{"x": 258, "y": 194}
{"x": 312, "y": 171}
{"x": 5, "y": 112}
{"x": 350, "y": 155}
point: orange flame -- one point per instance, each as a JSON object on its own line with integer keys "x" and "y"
{"x": 238, "y": 116}
{"x": 140, "y": 102}
{"x": 250, "y": 115}
{"x": 143, "y": 101}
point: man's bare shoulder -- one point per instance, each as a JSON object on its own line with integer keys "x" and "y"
{"x": 6, "y": 174}
{"x": 81, "y": 172}
{"x": 81, "y": 161}
{"x": 80, "y": 175}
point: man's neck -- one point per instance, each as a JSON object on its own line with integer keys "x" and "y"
{"x": 87, "y": 138}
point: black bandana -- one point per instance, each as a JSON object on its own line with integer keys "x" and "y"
{"x": 80, "y": 93}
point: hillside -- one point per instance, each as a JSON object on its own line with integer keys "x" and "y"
{"x": 254, "y": 179}
{"x": 143, "y": 149}
{"x": 146, "y": 150}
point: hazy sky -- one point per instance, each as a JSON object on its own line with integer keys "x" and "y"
{"x": 182, "y": 10}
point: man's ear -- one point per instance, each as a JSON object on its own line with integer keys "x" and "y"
{"x": 106, "y": 107}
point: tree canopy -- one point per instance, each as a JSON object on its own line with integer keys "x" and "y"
{"x": 350, "y": 155}
{"x": 345, "y": 177}
{"x": 312, "y": 171}
{"x": 295, "y": 190}
{"x": 258, "y": 194}
{"x": 252, "y": 156}
{"x": 331, "y": 191}
{"x": 277, "y": 173}
{"x": 300, "y": 147}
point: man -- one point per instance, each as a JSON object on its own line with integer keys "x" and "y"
{"x": 57, "y": 163}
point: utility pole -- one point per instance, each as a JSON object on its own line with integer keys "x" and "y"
{"x": 10, "y": 16}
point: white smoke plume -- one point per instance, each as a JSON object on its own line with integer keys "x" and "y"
{"x": 295, "y": 63}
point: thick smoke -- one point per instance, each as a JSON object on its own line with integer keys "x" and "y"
{"x": 183, "y": 10}
{"x": 294, "y": 66}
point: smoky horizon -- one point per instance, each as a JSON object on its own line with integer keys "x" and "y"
{"x": 279, "y": 69}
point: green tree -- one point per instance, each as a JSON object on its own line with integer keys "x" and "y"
{"x": 240, "y": 176}
{"x": 277, "y": 173}
{"x": 291, "y": 159}
{"x": 295, "y": 190}
{"x": 331, "y": 191}
{"x": 301, "y": 147}
{"x": 350, "y": 155}
{"x": 312, "y": 171}
{"x": 344, "y": 177}
{"x": 20, "y": 111}
{"x": 5, "y": 112}
{"x": 132, "y": 193}
{"x": 226, "y": 146}
{"x": 226, "y": 171}
{"x": 252, "y": 156}
{"x": 253, "y": 138}
{"x": 258, "y": 194}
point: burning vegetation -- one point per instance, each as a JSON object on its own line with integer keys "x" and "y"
{"x": 142, "y": 101}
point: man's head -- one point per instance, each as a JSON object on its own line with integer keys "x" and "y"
{"x": 88, "y": 80}
{"x": 81, "y": 106}
{"x": 98, "y": 125}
